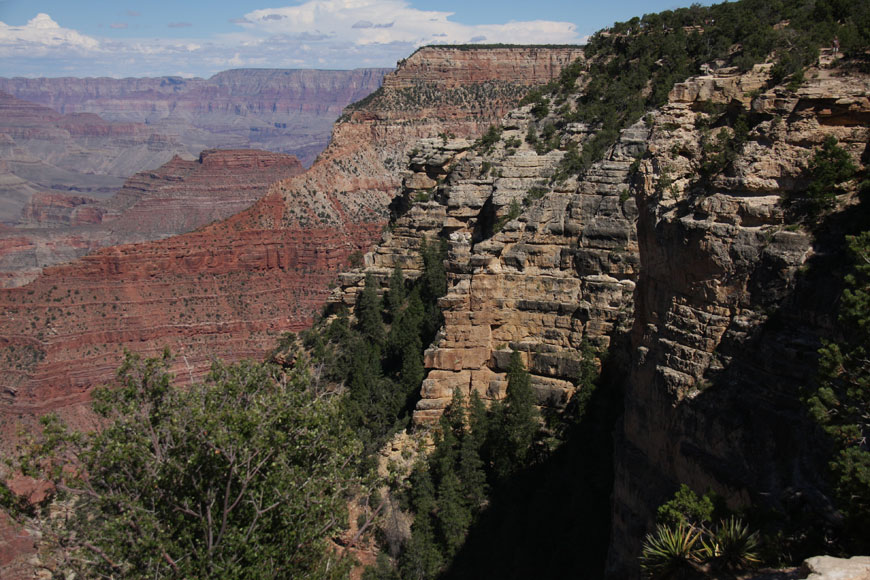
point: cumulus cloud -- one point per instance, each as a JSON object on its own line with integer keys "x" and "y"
{"x": 368, "y": 22}
{"x": 41, "y": 36}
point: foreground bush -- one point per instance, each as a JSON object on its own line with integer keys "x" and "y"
{"x": 242, "y": 476}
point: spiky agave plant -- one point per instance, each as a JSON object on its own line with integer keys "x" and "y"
{"x": 731, "y": 545}
{"x": 670, "y": 552}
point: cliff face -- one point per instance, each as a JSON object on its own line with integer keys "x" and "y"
{"x": 471, "y": 88}
{"x": 229, "y": 289}
{"x": 450, "y": 68}
{"x": 561, "y": 274}
{"x": 731, "y": 305}
{"x": 178, "y": 197}
{"x": 721, "y": 299}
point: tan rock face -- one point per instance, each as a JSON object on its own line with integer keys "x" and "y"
{"x": 562, "y": 273}
{"x": 730, "y": 307}
{"x": 829, "y": 568}
{"x": 449, "y": 68}
{"x": 705, "y": 276}
{"x": 231, "y": 288}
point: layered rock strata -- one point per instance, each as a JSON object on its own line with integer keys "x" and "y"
{"x": 561, "y": 273}
{"x": 178, "y": 197}
{"x": 724, "y": 297}
{"x": 42, "y": 150}
{"x": 731, "y": 304}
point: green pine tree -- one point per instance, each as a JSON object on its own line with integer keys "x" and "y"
{"x": 478, "y": 422}
{"x": 396, "y": 294}
{"x": 433, "y": 285}
{"x": 368, "y": 312}
{"x": 471, "y": 471}
{"x": 842, "y": 403}
{"x": 421, "y": 558}
{"x": 514, "y": 422}
{"x": 454, "y": 513}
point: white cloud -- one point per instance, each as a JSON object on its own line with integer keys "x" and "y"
{"x": 367, "y": 22}
{"x": 42, "y": 35}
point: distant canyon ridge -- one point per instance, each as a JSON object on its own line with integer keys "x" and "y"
{"x": 86, "y": 163}
{"x": 87, "y": 136}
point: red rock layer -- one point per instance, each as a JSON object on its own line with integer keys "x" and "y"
{"x": 178, "y": 197}
{"x": 16, "y": 547}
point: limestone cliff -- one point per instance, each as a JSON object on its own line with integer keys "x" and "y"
{"x": 731, "y": 304}
{"x": 720, "y": 297}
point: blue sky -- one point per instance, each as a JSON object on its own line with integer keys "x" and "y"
{"x": 199, "y": 38}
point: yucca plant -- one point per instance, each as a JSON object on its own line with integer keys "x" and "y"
{"x": 670, "y": 552}
{"x": 731, "y": 545}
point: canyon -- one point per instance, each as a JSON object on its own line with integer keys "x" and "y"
{"x": 69, "y": 145}
{"x": 700, "y": 292}
{"x": 42, "y": 150}
{"x": 229, "y": 289}
{"x": 285, "y": 111}
{"x": 85, "y": 137}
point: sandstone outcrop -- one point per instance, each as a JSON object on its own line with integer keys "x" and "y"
{"x": 731, "y": 305}
{"x": 229, "y": 289}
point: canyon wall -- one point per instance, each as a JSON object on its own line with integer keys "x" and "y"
{"x": 86, "y": 136}
{"x": 557, "y": 275}
{"x": 42, "y": 150}
{"x": 230, "y": 289}
{"x": 732, "y": 303}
